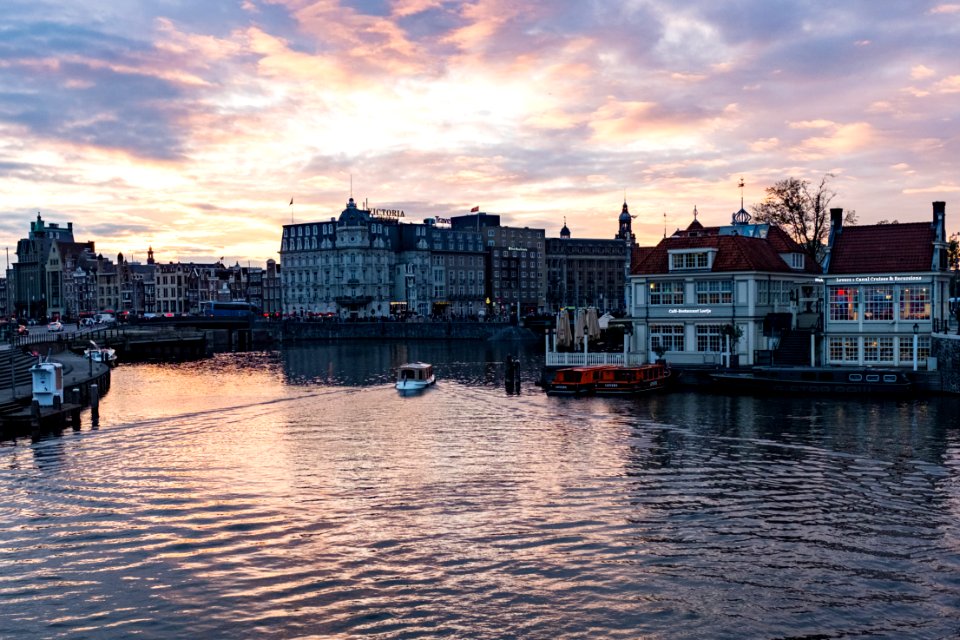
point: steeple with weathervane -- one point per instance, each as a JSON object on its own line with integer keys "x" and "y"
{"x": 741, "y": 218}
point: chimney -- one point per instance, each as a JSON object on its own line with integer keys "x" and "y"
{"x": 940, "y": 220}
{"x": 836, "y": 220}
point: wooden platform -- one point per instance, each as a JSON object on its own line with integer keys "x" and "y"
{"x": 37, "y": 417}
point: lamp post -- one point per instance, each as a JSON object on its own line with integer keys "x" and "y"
{"x": 916, "y": 330}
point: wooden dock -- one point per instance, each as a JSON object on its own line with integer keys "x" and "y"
{"x": 37, "y": 418}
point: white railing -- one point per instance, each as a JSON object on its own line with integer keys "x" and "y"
{"x": 580, "y": 359}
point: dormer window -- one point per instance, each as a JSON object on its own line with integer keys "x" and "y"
{"x": 690, "y": 260}
{"x": 794, "y": 260}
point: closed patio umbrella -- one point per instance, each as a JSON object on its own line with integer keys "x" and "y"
{"x": 579, "y": 327}
{"x": 593, "y": 325}
{"x": 564, "y": 337}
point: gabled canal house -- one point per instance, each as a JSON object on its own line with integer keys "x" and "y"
{"x": 886, "y": 289}
{"x": 693, "y": 283}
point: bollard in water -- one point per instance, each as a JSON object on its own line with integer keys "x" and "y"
{"x": 35, "y": 414}
{"x": 511, "y": 376}
{"x": 94, "y": 405}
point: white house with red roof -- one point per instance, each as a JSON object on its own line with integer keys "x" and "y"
{"x": 886, "y": 289}
{"x": 693, "y": 283}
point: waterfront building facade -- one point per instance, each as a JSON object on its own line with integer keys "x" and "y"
{"x": 29, "y": 288}
{"x": 59, "y": 272}
{"x": 692, "y": 284}
{"x": 108, "y": 285}
{"x": 886, "y": 288}
{"x": 584, "y": 272}
{"x": 271, "y": 289}
{"x": 340, "y": 266}
{"x": 367, "y": 264}
{"x": 174, "y": 283}
{"x": 515, "y": 274}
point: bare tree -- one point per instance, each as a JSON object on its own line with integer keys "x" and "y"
{"x": 803, "y": 211}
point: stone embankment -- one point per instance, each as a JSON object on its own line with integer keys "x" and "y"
{"x": 304, "y": 331}
{"x": 946, "y": 349}
{"x": 16, "y": 384}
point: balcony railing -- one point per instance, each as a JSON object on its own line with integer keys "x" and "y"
{"x": 580, "y": 359}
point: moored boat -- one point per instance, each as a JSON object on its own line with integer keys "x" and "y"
{"x": 414, "y": 376}
{"x": 574, "y": 381}
{"x": 105, "y": 355}
{"x": 616, "y": 381}
{"x": 815, "y": 380}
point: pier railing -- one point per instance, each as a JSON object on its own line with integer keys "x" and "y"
{"x": 580, "y": 359}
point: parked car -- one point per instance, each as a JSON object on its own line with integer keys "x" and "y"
{"x": 56, "y": 325}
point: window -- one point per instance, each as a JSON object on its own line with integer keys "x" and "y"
{"x": 715, "y": 292}
{"x": 878, "y": 304}
{"x": 878, "y": 349}
{"x": 843, "y": 303}
{"x": 709, "y": 338}
{"x": 668, "y": 335}
{"x": 906, "y": 349}
{"x": 843, "y": 349}
{"x": 688, "y": 261}
{"x": 669, "y": 292}
{"x": 915, "y": 304}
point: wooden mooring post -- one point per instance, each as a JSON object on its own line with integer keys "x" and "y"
{"x": 94, "y": 405}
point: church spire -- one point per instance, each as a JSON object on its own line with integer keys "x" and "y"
{"x": 625, "y": 231}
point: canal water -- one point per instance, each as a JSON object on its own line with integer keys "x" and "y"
{"x": 296, "y": 494}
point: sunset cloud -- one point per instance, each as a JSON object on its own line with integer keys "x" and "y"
{"x": 189, "y": 126}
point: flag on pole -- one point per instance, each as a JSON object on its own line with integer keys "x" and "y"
{"x": 475, "y": 210}
{"x": 291, "y": 201}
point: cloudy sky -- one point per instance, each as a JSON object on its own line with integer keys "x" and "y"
{"x": 189, "y": 125}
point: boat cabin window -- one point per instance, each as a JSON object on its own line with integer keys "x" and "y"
{"x": 855, "y": 377}
{"x": 890, "y": 378}
{"x": 873, "y": 378}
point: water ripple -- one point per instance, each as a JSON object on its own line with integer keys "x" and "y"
{"x": 333, "y": 507}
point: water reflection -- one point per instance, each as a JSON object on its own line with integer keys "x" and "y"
{"x": 353, "y": 363}
{"x": 296, "y": 494}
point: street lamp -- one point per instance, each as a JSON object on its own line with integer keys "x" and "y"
{"x": 916, "y": 330}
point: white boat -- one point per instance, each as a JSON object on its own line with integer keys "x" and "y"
{"x": 106, "y": 355}
{"x": 414, "y": 376}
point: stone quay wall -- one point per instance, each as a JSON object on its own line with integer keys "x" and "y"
{"x": 305, "y": 331}
{"x": 946, "y": 349}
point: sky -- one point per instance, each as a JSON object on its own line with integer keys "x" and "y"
{"x": 189, "y": 126}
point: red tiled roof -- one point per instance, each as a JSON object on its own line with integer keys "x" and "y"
{"x": 734, "y": 253}
{"x": 883, "y": 248}
{"x": 638, "y": 254}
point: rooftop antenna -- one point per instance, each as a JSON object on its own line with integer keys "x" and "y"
{"x": 741, "y": 191}
{"x": 351, "y": 186}
{"x": 664, "y": 224}
{"x": 291, "y": 210}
